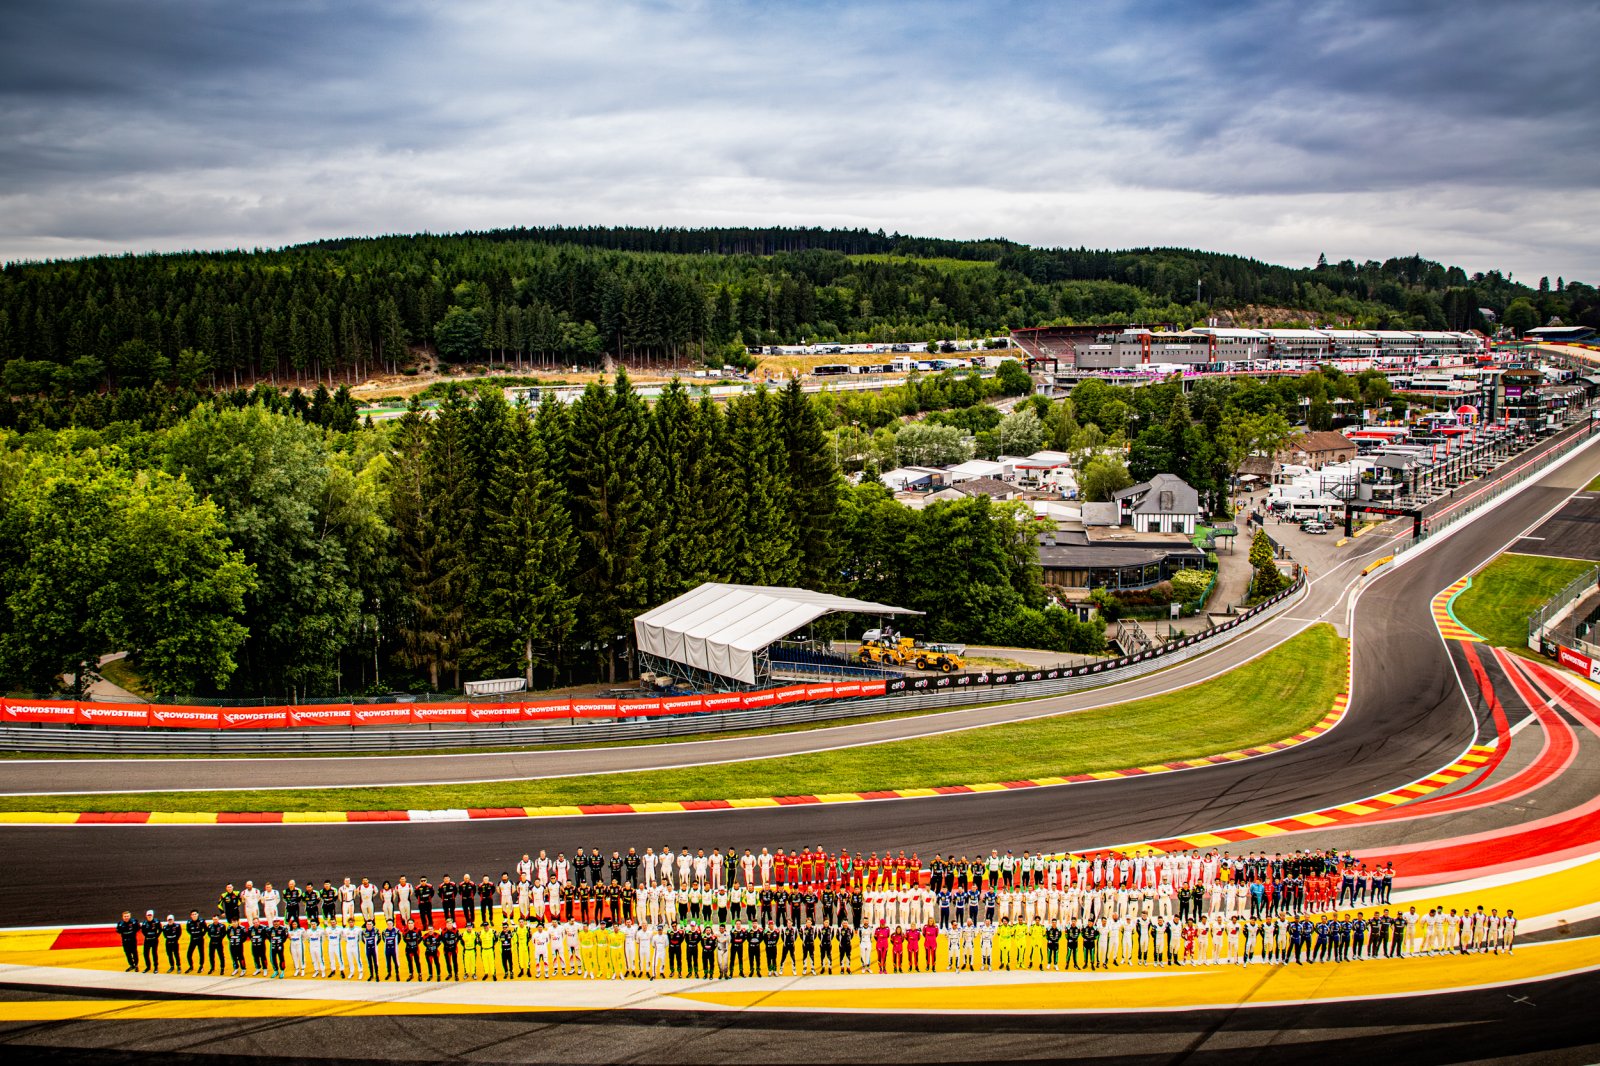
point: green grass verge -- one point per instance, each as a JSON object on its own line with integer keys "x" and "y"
{"x": 1593, "y": 486}
{"x": 1274, "y": 696}
{"x": 1508, "y": 590}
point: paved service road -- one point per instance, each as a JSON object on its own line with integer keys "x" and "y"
{"x": 1408, "y": 714}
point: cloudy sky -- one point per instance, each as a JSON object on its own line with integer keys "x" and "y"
{"x": 1462, "y": 130}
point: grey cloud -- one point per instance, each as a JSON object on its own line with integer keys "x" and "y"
{"x": 151, "y": 125}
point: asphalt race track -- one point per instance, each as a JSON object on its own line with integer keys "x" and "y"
{"x": 1548, "y": 1022}
{"x": 1573, "y": 532}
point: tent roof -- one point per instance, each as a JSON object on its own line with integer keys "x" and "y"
{"x": 719, "y": 627}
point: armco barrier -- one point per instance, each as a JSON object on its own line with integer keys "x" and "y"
{"x": 45, "y": 726}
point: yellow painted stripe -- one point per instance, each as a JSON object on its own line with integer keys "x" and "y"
{"x": 1107, "y": 775}
{"x": 1356, "y": 808}
{"x": 910, "y": 793}
{"x": 131, "y": 1009}
{"x": 769, "y": 802}
{"x": 1183, "y": 987}
{"x": 987, "y": 786}
{"x": 1312, "y": 819}
{"x": 315, "y": 816}
{"x": 182, "y": 818}
{"x": 47, "y": 817}
{"x": 658, "y": 808}
{"x": 552, "y": 812}
{"x": 1264, "y": 829}
{"x": 839, "y": 797}
{"x": 1204, "y": 840}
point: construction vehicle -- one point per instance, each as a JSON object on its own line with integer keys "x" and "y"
{"x": 946, "y": 658}
{"x": 886, "y": 652}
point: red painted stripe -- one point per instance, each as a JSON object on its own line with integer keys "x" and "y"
{"x": 1502, "y": 726}
{"x": 882, "y": 794}
{"x": 497, "y": 812}
{"x": 1176, "y": 765}
{"x": 249, "y": 817}
{"x": 73, "y": 939}
{"x": 606, "y": 808}
{"x": 114, "y": 818}
{"x": 1134, "y": 771}
{"x": 798, "y": 801}
{"x": 1020, "y": 784}
{"x": 378, "y": 816}
{"x": 1558, "y": 753}
{"x": 953, "y": 790}
{"x": 707, "y": 805}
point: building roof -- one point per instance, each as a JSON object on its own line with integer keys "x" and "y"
{"x": 719, "y": 628}
{"x": 977, "y": 468}
{"x": 1102, "y": 514}
{"x": 1083, "y": 556}
{"x": 1321, "y": 440}
{"x": 1043, "y": 460}
{"x": 1260, "y": 466}
{"x": 1162, "y": 494}
{"x": 994, "y": 488}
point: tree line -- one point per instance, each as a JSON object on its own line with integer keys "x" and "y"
{"x": 251, "y": 547}
{"x": 336, "y": 310}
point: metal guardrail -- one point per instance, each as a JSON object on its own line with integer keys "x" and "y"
{"x": 1576, "y": 589}
{"x": 96, "y": 740}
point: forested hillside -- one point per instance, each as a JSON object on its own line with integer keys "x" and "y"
{"x": 339, "y": 310}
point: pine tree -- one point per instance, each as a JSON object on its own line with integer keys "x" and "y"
{"x": 435, "y": 504}
{"x": 763, "y": 530}
{"x": 813, "y": 490}
{"x": 609, "y": 514}
{"x": 524, "y": 610}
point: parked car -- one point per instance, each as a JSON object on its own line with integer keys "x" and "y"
{"x": 1313, "y": 526}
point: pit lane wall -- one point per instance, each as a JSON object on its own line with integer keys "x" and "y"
{"x": 138, "y": 728}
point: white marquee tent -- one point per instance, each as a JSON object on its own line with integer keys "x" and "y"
{"x": 720, "y": 628}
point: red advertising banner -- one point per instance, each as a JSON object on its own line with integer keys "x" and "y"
{"x": 430, "y": 713}
{"x": 321, "y": 714}
{"x": 559, "y": 709}
{"x": 395, "y": 714}
{"x": 185, "y": 717}
{"x": 61, "y": 712}
{"x": 585, "y": 707}
{"x": 117, "y": 714}
{"x": 252, "y": 717}
{"x": 499, "y": 712}
{"x": 1578, "y": 662}
{"x": 381, "y": 714}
